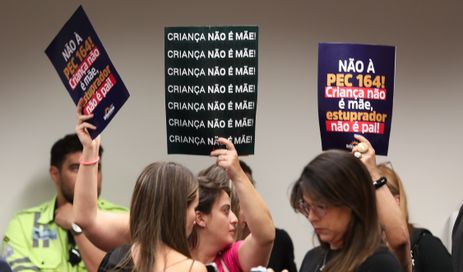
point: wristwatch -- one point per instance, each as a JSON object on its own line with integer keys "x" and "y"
{"x": 76, "y": 229}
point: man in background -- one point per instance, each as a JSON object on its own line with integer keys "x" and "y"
{"x": 44, "y": 237}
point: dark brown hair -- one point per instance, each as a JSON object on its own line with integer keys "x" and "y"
{"x": 337, "y": 178}
{"x": 212, "y": 181}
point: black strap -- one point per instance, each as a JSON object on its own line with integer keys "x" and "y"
{"x": 74, "y": 253}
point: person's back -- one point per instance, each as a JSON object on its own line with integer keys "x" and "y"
{"x": 428, "y": 252}
{"x": 177, "y": 262}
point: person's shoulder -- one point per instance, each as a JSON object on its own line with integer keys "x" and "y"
{"x": 381, "y": 261}
{"x": 282, "y": 233}
{"x": 314, "y": 253}
{"x": 312, "y": 259}
{"x": 418, "y": 232}
{"x": 185, "y": 263}
{"x": 106, "y": 205}
{"x": 114, "y": 257}
{"x": 425, "y": 237}
{"x": 197, "y": 266}
{"x": 31, "y": 211}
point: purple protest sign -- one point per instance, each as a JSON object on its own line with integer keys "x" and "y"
{"x": 355, "y": 94}
{"x": 86, "y": 70}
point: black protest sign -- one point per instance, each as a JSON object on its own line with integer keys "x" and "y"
{"x": 210, "y": 87}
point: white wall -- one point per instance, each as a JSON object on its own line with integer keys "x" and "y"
{"x": 425, "y": 146}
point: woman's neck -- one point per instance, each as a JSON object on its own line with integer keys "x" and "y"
{"x": 204, "y": 252}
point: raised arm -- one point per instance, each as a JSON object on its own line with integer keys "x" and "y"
{"x": 104, "y": 229}
{"x": 256, "y": 248}
{"x": 390, "y": 217}
{"x": 91, "y": 255}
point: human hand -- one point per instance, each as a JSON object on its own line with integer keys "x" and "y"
{"x": 228, "y": 158}
{"x": 366, "y": 153}
{"x": 82, "y": 128}
{"x": 64, "y": 216}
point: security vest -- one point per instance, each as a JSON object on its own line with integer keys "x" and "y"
{"x": 34, "y": 242}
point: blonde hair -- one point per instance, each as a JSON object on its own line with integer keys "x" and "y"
{"x": 160, "y": 199}
{"x": 394, "y": 183}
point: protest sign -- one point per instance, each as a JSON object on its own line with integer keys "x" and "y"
{"x": 86, "y": 70}
{"x": 355, "y": 94}
{"x": 210, "y": 87}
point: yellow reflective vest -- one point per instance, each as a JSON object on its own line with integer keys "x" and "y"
{"x": 34, "y": 242}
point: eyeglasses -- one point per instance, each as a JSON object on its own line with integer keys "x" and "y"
{"x": 319, "y": 210}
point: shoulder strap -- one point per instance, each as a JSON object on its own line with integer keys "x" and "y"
{"x": 191, "y": 266}
{"x": 177, "y": 262}
{"x": 224, "y": 267}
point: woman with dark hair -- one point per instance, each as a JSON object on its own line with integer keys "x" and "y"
{"x": 213, "y": 237}
{"x": 162, "y": 213}
{"x": 335, "y": 192}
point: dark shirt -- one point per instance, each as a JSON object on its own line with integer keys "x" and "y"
{"x": 282, "y": 256}
{"x": 457, "y": 243}
{"x": 4, "y": 267}
{"x": 380, "y": 261}
{"x": 429, "y": 254}
{"x": 113, "y": 258}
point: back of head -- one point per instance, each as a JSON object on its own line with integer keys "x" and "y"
{"x": 160, "y": 199}
{"x": 212, "y": 181}
{"x": 337, "y": 178}
{"x": 395, "y": 185}
{"x": 64, "y": 146}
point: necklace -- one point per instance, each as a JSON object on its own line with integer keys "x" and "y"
{"x": 322, "y": 267}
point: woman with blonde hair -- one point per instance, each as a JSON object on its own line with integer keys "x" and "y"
{"x": 162, "y": 213}
{"x": 428, "y": 252}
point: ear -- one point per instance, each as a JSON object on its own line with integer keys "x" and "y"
{"x": 201, "y": 219}
{"x": 397, "y": 199}
{"x": 54, "y": 174}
